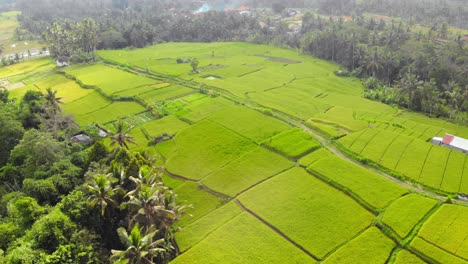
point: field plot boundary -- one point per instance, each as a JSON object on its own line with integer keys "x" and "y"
{"x": 294, "y": 121}
{"x": 276, "y": 230}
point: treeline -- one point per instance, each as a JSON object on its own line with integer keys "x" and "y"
{"x": 135, "y": 23}
{"x": 64, "y": 202}
{"x": 423, "y": 71}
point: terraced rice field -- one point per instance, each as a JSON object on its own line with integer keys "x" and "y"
{"x": 262, "y": 189}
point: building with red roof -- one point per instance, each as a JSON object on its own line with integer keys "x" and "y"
{"x": 452, "y": 142}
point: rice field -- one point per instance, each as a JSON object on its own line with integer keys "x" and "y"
{"x": 289, "y": 200}
{"x": 293, "y": 143}
{"x": 204, "y": 148}
{"x": 405, "y": 213}
{"x": 372, "y": 188}
{"x": 372, "y": 246}
{"x": 263, "y": 191}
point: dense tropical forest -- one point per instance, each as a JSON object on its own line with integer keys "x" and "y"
{"x": 62, "y": 203}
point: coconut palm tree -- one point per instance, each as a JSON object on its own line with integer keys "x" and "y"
{"x": 121, "y": 136}
{"x": 52, "y": 100}
{"x": 153, "y": 204}
{"x": 102, "y": 192}
{"x": 141, "y": 248}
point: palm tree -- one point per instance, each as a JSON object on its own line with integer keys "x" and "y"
{"x": 408, "y": 86}
{"x": 153, "y": 204}
{"x": 102, "y": 192}
{"x": 52, "y": 100}
{"x": 140, "y": 247}
{"x": 121, "y": 136}
{"x": 373, "y": 63}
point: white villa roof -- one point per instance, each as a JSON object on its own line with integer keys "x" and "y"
{"x": 456, "y": 142}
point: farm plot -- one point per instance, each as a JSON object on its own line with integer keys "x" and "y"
{"x": 166, "y": 93}
{"x": 372, "y": 246}
{"x": 301, "y": 195}
{"x": 433, "y": 171}
{"x": 343, "y": 116}
{"x": 406, "y": 257}
{"x": 110, "y": 113}
{"x": 26, "y": 67}
{"x": 391, "y": 156}
{"x": 244, "y": 239}
{"x": 141, "y": 90}
{"x": 375, "y": 148}
{"x": 110, "y": 80}
{"x": 190, "y": 193}
{"x": 309, "y": 159}
{"x": 361, "y": 142}
{"x": 87, "y": 104}
{"x": 454, "y": 170}
{"x": 246, "y": 171}
{"x": 249, "y": 123}
{"x": 403, "y": 214}
{"x": 372, "y": 188}
{"x": 413, "y": 158}
{"x": 204, "y": 107}
{"x": 200, "y": 229}
{"x": 293, "y": 143}
{"x": 139, "y": 137}
{"x": 204, "y": 148}
{"x": 67, "y": 89}
{"x": 435, "y": 253}
{"x": 169, "y": 125}
{"x": 300, "y": 104}
{"x": 464, "y": 180}
{"x": 447, "y": 229}
{"x": 330, "y": 130}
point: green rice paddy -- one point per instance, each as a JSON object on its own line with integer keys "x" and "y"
{"x": 262, "y": 189}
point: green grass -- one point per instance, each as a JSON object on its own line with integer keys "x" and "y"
{"x": 204, "y": 148}
{"x": 331, "y": 130}
{"x": 372, "y": 246}
{"x": 293, "y": 143}
{"x": 26, "y": 67}
{"x": 112, "y": 112}
{"x": 166, "y": 148}
{"x": 413, "y": 159}
{"x": 375, "y": 147}
{"x": 403, "y": 214}
{"x": 307, "y": 160}
{"x": 249, "y": 123}
{"x": 246, "y": 171}
{"x": 361, "y": 142}
{"x": 447, "y": 229}
{"x": 454, "y": 172}
{"x": 169, "y": 124}
{"x": 139, "y": 137}
{"x": 163, "y": 94}
{"x": 87, "y": 104}
{"x": 344, "y": 116}
{"x": 406, "y": 257}
{"x": 110, "y": 80}
{"x": 434, "y": 167}
{"x": 244, "y": 239}
{"x": 202, "y": 202}
{"x": 311, "y": 213}
{"x": 200, "y": 229}
{"x": 372, "y": 188}
{"x": 434, "y": 252}
{"x": 204, "y": 107}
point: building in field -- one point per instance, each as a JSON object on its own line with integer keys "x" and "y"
{"x": 453, "y": 142}
{"x": 82, "y": 139}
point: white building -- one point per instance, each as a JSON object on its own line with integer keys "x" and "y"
{"x": 453, "y": 142}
